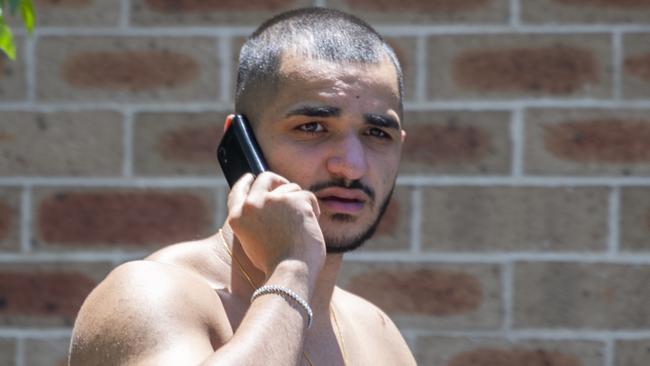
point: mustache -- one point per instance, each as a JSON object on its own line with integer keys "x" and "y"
{"x": 342, "y": 183}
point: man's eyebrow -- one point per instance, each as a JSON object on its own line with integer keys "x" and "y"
{"x": 381, "y": 121}
{"x": 321, "y": 111}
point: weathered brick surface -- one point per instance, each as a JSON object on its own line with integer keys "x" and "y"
{"x": 632, "y": 352}
{"x": 13, "y": 85}
{"x": 635, "y": 219}
{"x": 581, "y": 296}
{"x": 507, "y": 66}
{"x": 208, "y": 12}
{"x": 449, "y": 142}
{"x": 514, "y": 219}
{"x": 9, "y": 219}
{"x": 60, "y": 143}
{"x": 405, "y": 49}
{"x": 585, "y": 11}
{"x": 428, "y": 295}
{"x": 120, "y": 218}
{"x": 46, "y": 294}
{"x": 177, "y": 143}
{"x": 636, "y": 65}
{"x": 128, "y": 69}
{"x": 7, "y": 351}
{"x": 447, "y": 351}
{"x": 423, "y": 11}
{"x": 63, "y": 13}
{"x": 47, "y": 352}
{"x": 587, "y": 142}
{"x": 393, "y": 233}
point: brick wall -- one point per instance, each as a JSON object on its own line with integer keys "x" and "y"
{"x": 520, "y": 230}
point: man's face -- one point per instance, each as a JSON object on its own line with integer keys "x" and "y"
{"x": 335, "y": 129}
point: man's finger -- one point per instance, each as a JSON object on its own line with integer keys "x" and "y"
{"x": 265, "y": 183}
{"x": 239, "y": 192}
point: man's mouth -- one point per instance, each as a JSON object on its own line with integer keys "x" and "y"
{"x": 342, "y": 200}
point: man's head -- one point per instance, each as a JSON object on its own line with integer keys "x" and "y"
{"x": 323, "y": 92}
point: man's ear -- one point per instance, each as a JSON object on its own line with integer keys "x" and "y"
{"x": 403, "y": 135}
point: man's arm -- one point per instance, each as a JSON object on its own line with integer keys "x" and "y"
{"x": 148, "y": 313}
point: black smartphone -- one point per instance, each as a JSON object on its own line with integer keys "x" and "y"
{"x": 238, "y": 152}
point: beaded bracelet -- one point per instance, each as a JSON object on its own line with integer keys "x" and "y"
{"x": 279, "y": 290}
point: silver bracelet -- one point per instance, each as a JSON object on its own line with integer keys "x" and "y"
{"x": 279, "y": 290}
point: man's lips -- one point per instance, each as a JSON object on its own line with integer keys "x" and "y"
{"x": 342, "y": 200}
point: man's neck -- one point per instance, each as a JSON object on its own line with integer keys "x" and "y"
{"x": 240, "y": 285}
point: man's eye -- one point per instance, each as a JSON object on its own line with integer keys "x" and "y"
{"x": 312, "y": 127}
{"x": 375, "y": 132}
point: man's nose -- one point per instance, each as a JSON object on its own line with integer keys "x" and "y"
{"x": 348, "y": 158}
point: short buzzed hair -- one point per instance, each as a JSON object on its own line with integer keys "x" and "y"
{"x": 315, "y": 33}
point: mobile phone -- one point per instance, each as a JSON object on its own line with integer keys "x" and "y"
{"x": 238, "y": 152}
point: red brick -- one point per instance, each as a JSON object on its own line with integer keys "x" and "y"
{"x": 551, "y": 70}
{"x": 209, "y": 12}
{"x": 47, "y": 352}
{"x": 132, "y": 71}
{"x": 483, "y": 219}
{"x": 632, "y": 352}
{"x": 68, "y": 13}
{"x": 421, "y": 11}
{"x": 518, "y": 66}
{"x": 7, "y": 351}
{"x": 587, "y": 141}
{"x": 9, "y": 219}
{"x": 456, "y": 143}
{"x": 625, "y": 4}
{"x": 638, "y": 66}
{"x": 61, "y": 143}
{"x": 594, "y": 296}
{"x": 393, "y": 232}
{"x": 45, "y": 294}
{"x": 13, "y": 84}
{"x": 635, "y": 219}
{"x": 585, "y": 11}
{"x": 600, "y": 140}
{"x": 421, "y": 292}
{"x": 122, "y": 218}
{"x": 177, "y": 143}
{"x": 129, "y": 69}
{"x": 483, "y": 351}
{"x": 512, "y": 357}
{"x": 200, "y": 6}
{"x": 429, "y": 296}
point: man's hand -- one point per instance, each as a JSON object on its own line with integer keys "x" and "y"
{"x": 276, "y": 220}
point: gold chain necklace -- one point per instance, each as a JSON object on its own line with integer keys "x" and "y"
{"x": 243, "y": 271}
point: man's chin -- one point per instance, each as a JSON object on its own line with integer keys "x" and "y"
{"x": 344, "y": 244}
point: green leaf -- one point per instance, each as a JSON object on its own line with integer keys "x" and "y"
{"x": 7, "y": 41}
{"x": 28, "y": 15}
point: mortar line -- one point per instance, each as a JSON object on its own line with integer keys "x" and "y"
{"x": 20, "y": 351}
{"x": 540, "y": 334}
{"x": 26, "y": 220}
{"x": 613, "y": 220}
{"x": 517, "y": 139}
{"x": 422, "y": 73}
{"x": 507, "y": 295}
{"x": 416, "y": 220}
{"x": 515, "y": 14}
{"x": 125, "y": 14}
{"x": 617, "y": 65}
{"x": 220, "y": 207}
{"x": 321, "y": 3}
{"x": 127, "y": 144}
{"x": 609, "y": 352}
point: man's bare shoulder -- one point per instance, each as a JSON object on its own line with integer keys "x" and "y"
{"x": 381, "y": 334}
{"x": 144, "y": 306}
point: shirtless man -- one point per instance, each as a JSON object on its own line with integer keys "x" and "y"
{"x": 323, "y": 93}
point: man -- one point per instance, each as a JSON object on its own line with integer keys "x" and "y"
{"x": 323, "y": 93}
